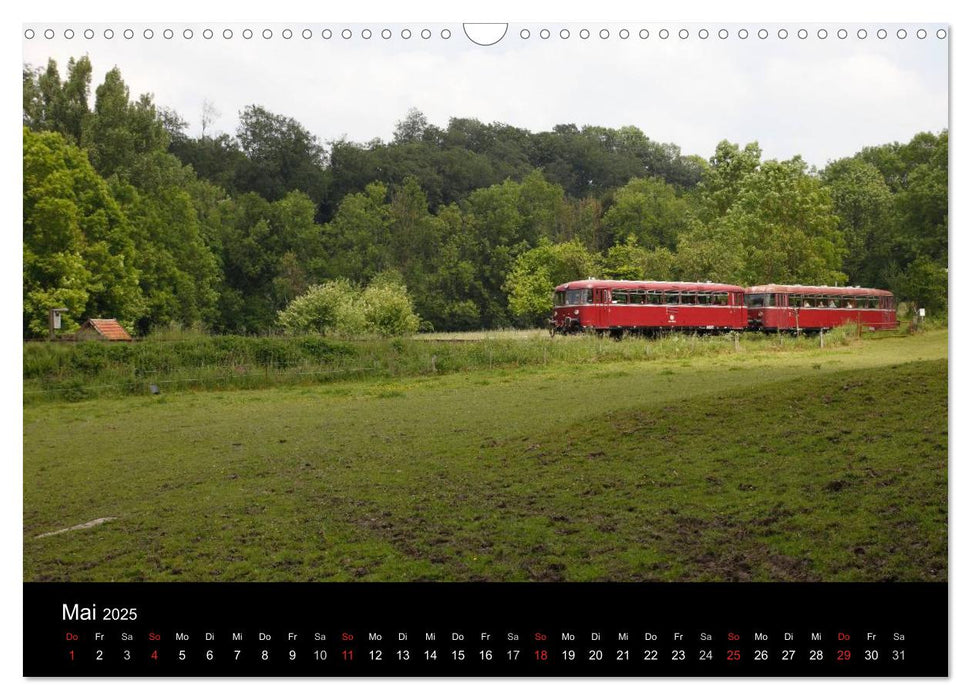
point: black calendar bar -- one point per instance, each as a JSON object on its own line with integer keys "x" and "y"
{"x": 479, "y": 629}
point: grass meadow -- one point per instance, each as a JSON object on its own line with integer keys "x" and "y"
{"x": 501, "y": 460}
{"x": 197, "y": 362}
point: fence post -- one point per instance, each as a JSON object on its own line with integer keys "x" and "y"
{"x": 821, "y": 333}
{"x": 735, "y": 337}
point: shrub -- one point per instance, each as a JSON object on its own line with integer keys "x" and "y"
{"x": 388, "y": 310}
{"x": 383, "y": 308}
{"x": 318, "y": 309}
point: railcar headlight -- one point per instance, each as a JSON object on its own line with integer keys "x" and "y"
{"x": 576, "y": 312}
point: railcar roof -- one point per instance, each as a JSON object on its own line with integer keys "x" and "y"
{"x": 657, "y": 285}
{"x": 804, "y": 289}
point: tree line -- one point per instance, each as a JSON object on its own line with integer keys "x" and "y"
{"x": 126, "y": 215}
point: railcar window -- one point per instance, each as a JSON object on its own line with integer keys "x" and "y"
{"x": 688, "y": 298}
{"x": 575, "y": 297}
{"x": 759, "y": 300}
{"x": 559, "y": 298}
{"x": 671, "y": 298}
{"x": 654, "y": 298}
{"x": 703, "y": 299}
{"x": 795, "y": 300}
{"x": 636, "y": 297}
{"x": 618, "y": 296}
{"x": 719, "y": 298}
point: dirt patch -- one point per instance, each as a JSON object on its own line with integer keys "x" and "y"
{"x": 729, "y": 549}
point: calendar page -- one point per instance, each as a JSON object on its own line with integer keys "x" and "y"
{"x": 485, "y": 350}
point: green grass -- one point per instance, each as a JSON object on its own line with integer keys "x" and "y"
{"x": 194, "y": 362}
{"x": 799, "y": 464}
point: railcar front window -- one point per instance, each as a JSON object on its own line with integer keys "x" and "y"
{"x": 576, "y": 297}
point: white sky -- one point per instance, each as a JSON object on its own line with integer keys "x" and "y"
{"x": 821, "y": 98}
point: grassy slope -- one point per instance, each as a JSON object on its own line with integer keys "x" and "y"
{"x": 766, "y": 466}
{"x": 80, "y": 371}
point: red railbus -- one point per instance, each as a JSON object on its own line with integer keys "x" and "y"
{"x": 794, "y": 307}
{"x": 618, "y": 306}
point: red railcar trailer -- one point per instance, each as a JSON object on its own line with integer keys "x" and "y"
{"x": 619, "y": 306}
{"x": 794, "y": 307}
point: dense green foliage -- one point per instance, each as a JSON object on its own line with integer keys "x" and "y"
{"x": 127, "y": 215}
{"x": 340, "y": 307}
{"x": 537, "y": 271}
{"x": 892, "y": 205}
{"x": 78, "y": 245}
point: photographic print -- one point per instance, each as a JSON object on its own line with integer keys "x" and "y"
{"x": 656, "y": 303}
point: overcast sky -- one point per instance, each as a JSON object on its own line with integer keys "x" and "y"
{"x": 821, "y": 98}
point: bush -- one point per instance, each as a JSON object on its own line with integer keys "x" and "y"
{"x": 383, "y": 308}
{"x": 388, "y": 310}
{"x": 317, "y": 310}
